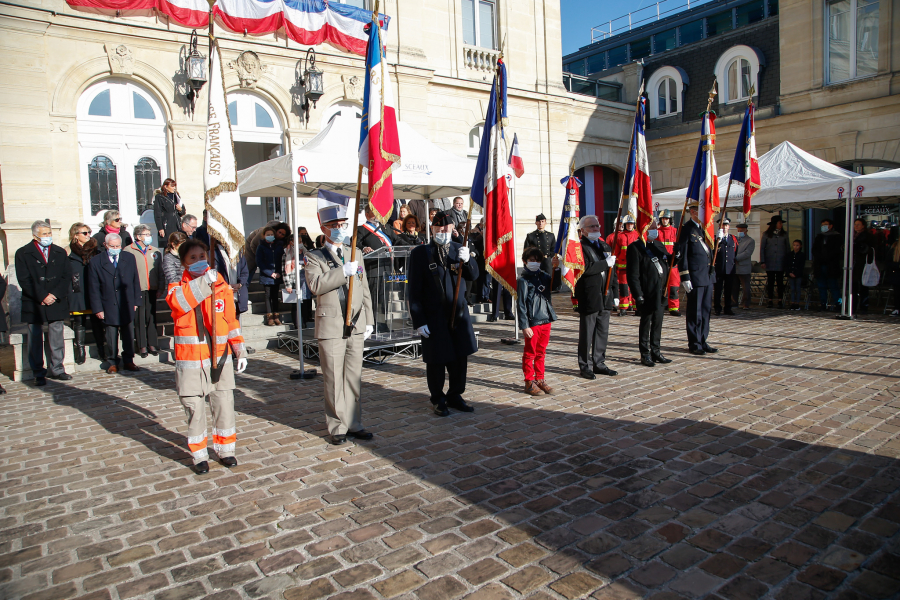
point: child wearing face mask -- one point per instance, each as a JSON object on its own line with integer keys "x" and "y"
{"x": 795, "y": 273}
{"x": 535, "y": 314}
{"x": 268, "y": 257}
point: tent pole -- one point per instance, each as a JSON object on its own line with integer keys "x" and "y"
{"x": 848, "y": 248}
{"x": 850, "y": 222}
{"x": 302, "y": 373}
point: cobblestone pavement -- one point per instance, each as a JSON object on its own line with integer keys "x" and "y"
{"x": 767, "y": 470}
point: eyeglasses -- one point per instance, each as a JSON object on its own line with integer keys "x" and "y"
{"x": 82, "y": 233}
{"x": 343, "y": 226}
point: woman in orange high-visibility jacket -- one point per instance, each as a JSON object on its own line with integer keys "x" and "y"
{"x": 188, "y": 300}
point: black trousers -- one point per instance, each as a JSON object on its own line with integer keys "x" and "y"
{"x": 650, "y": 330}
{"x": 498, "y": 295}
{"x": 126, "y": 332}
{"x": 81, "y": 321}
{"x": 723, "y": 283}
{"x": 593, "y": 333}
{"x": 775, "y": 279}
{"x": 145, "y": 323}
{"x": 699, "y": 303}
{"x": 435, "y": 372}
{"x": 272, "y": 300}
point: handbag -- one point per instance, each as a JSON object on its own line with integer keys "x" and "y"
{"x": 289, "y": 298}
{"x": 870, "y": 274}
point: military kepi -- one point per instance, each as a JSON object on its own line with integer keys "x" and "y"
{"x": 332, "y": 206}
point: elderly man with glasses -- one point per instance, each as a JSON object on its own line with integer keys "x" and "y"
{"x": 189, "y": 225}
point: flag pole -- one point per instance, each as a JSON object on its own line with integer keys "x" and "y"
{"x": 213, "y": 360}
{"x": 348, "y": 328}
{"x": 712, "y": 93}
{"x": 512, "y": 204}
{"x": 623, "y": 197}
{"x": 727, "y": 193}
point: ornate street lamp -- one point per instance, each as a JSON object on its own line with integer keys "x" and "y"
{"x": 313, "y": 87}
{"x": 196, "y": 71}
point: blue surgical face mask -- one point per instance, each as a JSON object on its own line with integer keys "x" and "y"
{"x": 147, "y": 240}
{"x": 199, "y": 268}
{"x": 338, "y": 236}
{"x": 652, "y": 234}
{"x": 270, "y": 238}
{"x": 824, "y": 228}
{"x": 114, "y": 251}
{"x": 46, "y": 241}
{"x": 741, "y": 234}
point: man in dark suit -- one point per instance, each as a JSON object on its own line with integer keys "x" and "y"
{"x": 695, "y": 267}
{"x": 115, "y": 294}
{"x": 593, "y": 301}
{"x": 432, "y": 274}
{"x": 45, "y": 278}
{"x": 167, "y": 211}
{"x": 544, "y": 241}
{"x": 647, "y": 269}
{"x": 725, "y": 268}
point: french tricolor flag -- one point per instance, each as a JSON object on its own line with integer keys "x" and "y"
{"x": 745, "y": 168}
{"x": 515, "y": 159}
{"x": 568, "y": 245}
{"x": 379, "y": 143}
{"x": 637, "y": 189}
{"x": 704, "y": 186}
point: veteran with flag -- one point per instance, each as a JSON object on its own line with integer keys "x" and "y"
{"x": 328, "y": 273}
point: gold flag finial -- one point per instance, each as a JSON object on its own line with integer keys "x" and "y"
{"x": 712, "y": 94}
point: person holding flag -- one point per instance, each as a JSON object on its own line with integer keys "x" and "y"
{"x": 696, "y": 238}
{"x": 666, "y": 233}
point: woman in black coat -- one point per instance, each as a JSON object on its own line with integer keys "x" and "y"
{"x": 268, "y": 258}
{"x": 112, "y": 223}
{"x": 167, "y": 210}
{"x": 82, "y": 248}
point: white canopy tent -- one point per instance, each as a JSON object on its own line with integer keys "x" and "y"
{"x": 885, "y": 184}
{"x": 329, "y": 161}
{"x": 792, "y": 179}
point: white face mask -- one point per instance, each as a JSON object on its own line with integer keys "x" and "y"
{"x": 147, "y": 240}
{"x": 442, "y": 238}
{"x": 45, "y": 241}
{"x": 532, "y": 266}
{"x": 594, "y": 236}
{"x": 651, "y": 234}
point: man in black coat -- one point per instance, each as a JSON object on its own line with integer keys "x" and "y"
{"x": 647, "y": 271}
{"x": 593, "y": 301}
{"x": 695, "y": 266}
{"x": 725, "y": 268}
{"x": 115, "y": 294}
{"x": 432, "y": 274}
{"x": 828, "y": 263}
{"x": 167, "y": 211}
{"x": 45, "y": 277}
{"x": 544, "y": 241}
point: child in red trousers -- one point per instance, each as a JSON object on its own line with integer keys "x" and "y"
{"x": 535, "y": 313}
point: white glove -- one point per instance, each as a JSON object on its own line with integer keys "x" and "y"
{"x": 721, "y": 234}
{"x": 370, "y": 329}
{"x": 212, "y": 276}
{"x": 241, "y": 365}
{"x": 350, "y": 268}
{"x": 616, "y": 301}
{"x": 463, "y": 254}
{"x": 688, "y": 286}
{"x": 423, "y": 331}
{"x": 611, "y": 260}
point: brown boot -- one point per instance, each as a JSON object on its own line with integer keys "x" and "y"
{"x": 543, "y": 385}
{"x": 276, "y": 319}
{"x": 532, "y": 389}
{"x": 270, "y": 321}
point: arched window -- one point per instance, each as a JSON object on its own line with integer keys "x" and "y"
{"x": 475, "y": 140}
{"x": 120, "y": 124}
{"x": 737, "y": 72}
{"x": 253, "y": 119}
{"x": 665, "y": 89}
{"x": 104, "y": 184}
{"x": 147, "y": 179}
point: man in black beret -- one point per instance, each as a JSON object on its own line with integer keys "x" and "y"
{"x": 432, "y": 273}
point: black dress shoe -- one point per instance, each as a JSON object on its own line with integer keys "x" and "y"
{"x": 61, "y": 377}
{"x": 605, "y": 371}
{"x": 459, "y": 404}
{"x": 440, "y": 409}
{"x": 362, "y": 434}
{"x": 337, "y": 440}
{"x": 143, "y": 353}
{"x": 39, "y": 381}
{"x": 153, "y": 350}
{"x": 659, "y": 358}
{"x": 698, "y": 352}
{"x": 709, "y": 349}
{"x": 718, "y": 312}
{"x": 229, "y": 461}
{"x": 674, "y": 313}
{"x": 2, "y": 391}
{"x": 729, "y": 312}
{"x": 588, "y": 374}
{"x": 647, "y": 362}
{"x": 201, "y": 467}
{"x": 491, "y": 319}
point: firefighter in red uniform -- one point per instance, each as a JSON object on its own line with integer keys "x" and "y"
{"x": 619, "y": 242}
{"x": 667, "y": 234}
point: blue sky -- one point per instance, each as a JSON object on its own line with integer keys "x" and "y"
{"x": 578, "y": 16}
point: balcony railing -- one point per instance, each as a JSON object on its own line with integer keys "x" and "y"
{"x": 604, "y": 90}
{"x": 480, "y": 59}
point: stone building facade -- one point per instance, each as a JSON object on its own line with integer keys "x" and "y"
{"x": 94, "y": 110}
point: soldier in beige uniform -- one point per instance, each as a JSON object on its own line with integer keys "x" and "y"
{"x": 328, "y": 272}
